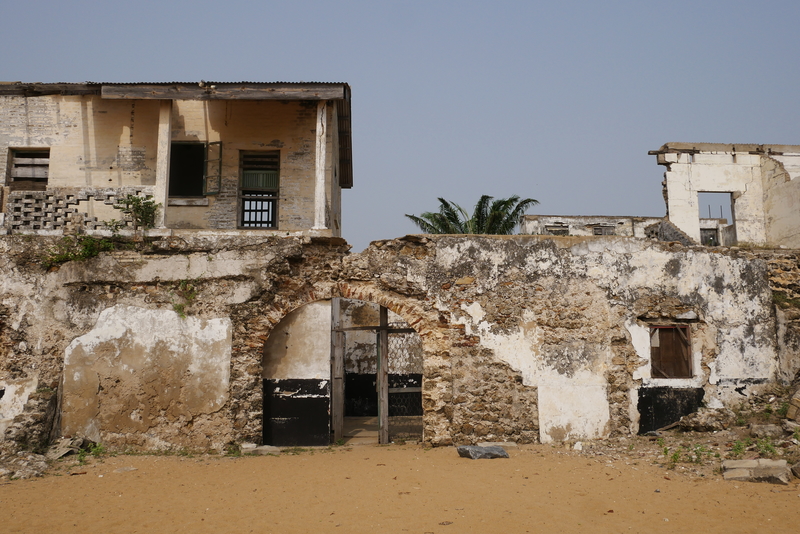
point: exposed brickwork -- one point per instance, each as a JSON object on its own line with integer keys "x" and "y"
{"x": 499, "y": 318}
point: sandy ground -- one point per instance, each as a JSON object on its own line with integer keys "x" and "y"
{"x": 395, "y": 488}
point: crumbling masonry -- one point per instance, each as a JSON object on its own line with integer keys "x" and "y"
{"x": 525, "y": 338}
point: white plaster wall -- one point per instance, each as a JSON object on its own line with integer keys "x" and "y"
{"x": 140, "y": 368}
{"x": 583, "y": 225}
{"x": 573, "y": 403}
{"x": 300, "y": 345}
{"x": 782, "y": 200}
{"x": 13, "y": 401}
{"x": 605, "y": 277}
{"x": 720, "y": 172}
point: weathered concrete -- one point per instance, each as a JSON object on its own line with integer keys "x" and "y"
{"x": 140, "y": 369}
{"x": 586, "y": 225}
{"x": 762, "y": 180}
{"x": 524, "y": 338}
{"x": 761, "y": 470}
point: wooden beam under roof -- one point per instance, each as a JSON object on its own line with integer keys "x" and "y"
{"x": 228, "y": 91}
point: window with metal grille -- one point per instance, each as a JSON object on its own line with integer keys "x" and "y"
{"x": 258, "y": 192}
{"x": 670, "y": 352}
{"x": 29, "y": 169}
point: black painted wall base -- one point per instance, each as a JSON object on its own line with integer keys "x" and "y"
{"x": 361, "y": 398}
{"x": 297, "y": 412}
{"x": 659, "y": 407}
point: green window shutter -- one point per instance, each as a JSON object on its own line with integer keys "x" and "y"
{"x": 260, "y": 180}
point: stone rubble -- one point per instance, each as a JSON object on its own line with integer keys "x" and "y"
{"x": 481, "y": 453}
{"x": 707, "y": 420}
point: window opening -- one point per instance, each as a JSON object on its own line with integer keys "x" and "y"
{"x": 258, "y": 195}
{"x": 670, "y": 352}
{"x": 556, "y": 229}
{"x": 717, "y": 224}
{"x": 603, "y": 230}
{"x": 29, "y": 169}
{"x": 186, "y": 169}
{"x": 709, "y": 237}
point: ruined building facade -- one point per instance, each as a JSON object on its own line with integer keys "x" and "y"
{"x": 523, "y": 338}
{"x": 759, "y": 185}
{"x": 221, "y": 325}
{"x": 271, "y": 157}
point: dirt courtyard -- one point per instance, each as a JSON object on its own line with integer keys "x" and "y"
{"x": 394, "y": 488}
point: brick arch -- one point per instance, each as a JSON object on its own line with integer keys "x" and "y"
{"x": 247, "y": 362}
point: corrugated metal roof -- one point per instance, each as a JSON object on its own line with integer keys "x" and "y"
{"x": 184, "y": 90}
{"x": 174, "y": 83}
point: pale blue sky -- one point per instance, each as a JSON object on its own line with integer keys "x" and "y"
{"x": 559, "y": 101}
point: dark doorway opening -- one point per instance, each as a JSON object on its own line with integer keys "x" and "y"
{"x": 186, "y": 169}
{"x": 662, "y": 406}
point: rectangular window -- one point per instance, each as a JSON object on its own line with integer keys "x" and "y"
{"x": 670, "y": 352}
{"x": 29, "y": 169}
{"x": 603, "y": 230}
{"x": 556, "y": 229}
{"x": 187, "y": 162}
{"x": 259, "y": 188}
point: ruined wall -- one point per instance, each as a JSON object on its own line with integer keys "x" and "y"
{"x": 782, "y": 200}
{"x": 587, "y": 225}
{"x": 140, "y": 370}
{"x": 761, "y": 178}
{"x": 524, "y": 338}
{"x": 689, "y": 174}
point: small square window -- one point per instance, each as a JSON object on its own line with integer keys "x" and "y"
{"x": 29, "y": 169}
{"x": 670, "y": 352}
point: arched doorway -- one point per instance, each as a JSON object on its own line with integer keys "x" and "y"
{"x": 336, "y": 366}
{"x": 296, "y": 378}
{"x": 381, "y": 374}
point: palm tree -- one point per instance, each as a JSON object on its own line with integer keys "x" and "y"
{"x": 498, "y": 217}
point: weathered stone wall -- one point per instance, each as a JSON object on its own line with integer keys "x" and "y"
{"x": 587, "y": 225}
{"x": 525, "y": 338}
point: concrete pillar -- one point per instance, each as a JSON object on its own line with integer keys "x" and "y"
{"x": 321, "y": 152}
{"x": 162, "y": 160}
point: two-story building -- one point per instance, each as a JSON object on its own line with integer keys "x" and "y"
{"x": 216, "y": 156}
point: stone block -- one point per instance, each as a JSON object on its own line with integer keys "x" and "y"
{"x": 762, "y": 470}
{"x": 737, "y": 474}
{"x": 263, "y": 450}
{"x": 739, "y": 464}
{"x": 481, "y": 453}
{"x": 796, "y": 469}
{"x": 766, "y": 431}
{"x": 790, "y": 426}
{"x": 763, "y": 462}
{"x": 772, "y": 475}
